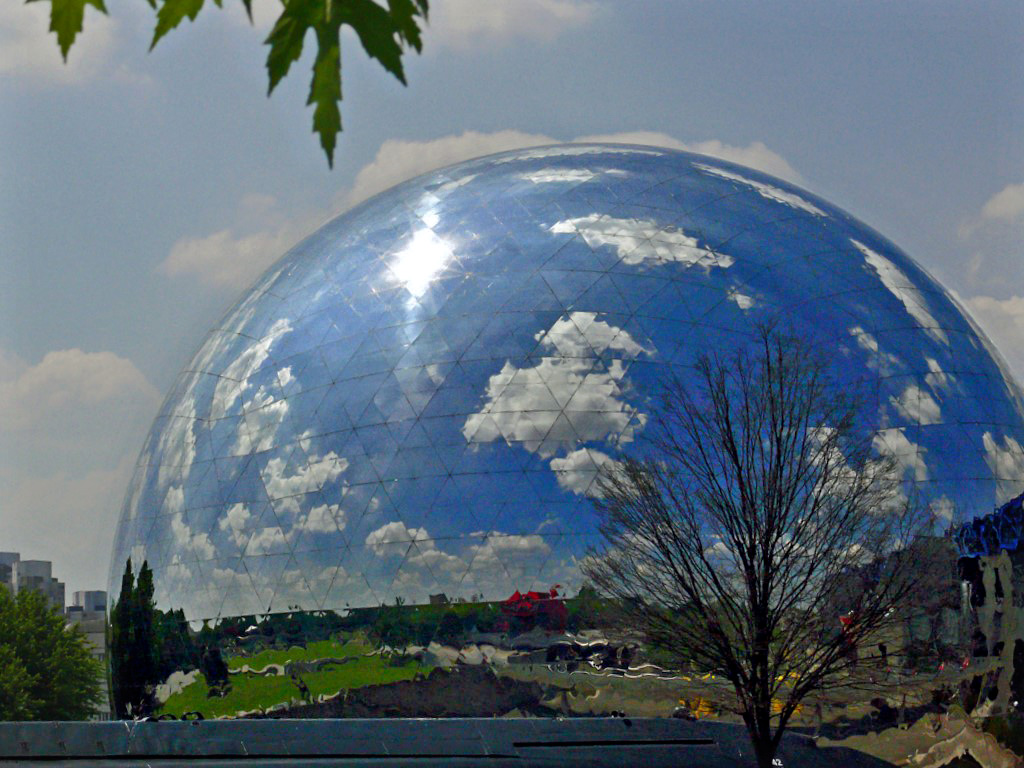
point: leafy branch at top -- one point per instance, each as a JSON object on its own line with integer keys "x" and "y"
{"x": 385, "y": 31}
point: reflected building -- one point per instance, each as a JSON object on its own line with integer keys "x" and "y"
{"x": 414, "y": 402}
{"x": 88, "y": 610}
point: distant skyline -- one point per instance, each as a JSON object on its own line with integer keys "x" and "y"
{"x": 141, "y": 193}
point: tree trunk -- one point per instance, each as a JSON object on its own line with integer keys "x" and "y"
{"x": 759, "y": 727}
{"x": 764, "y": 751}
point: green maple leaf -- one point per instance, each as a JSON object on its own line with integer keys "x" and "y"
{"x": 66, "y": 18}
{"x": 404, "y": 13}
{"x": 377, "y": 32}
{"x": 383, "y": 31}
{"x": 171, "y": 14}
{"x": 325, "y": 87}
{"x": 285, "y": 40}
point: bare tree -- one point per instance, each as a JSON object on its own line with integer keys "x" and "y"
{"x": 758, "y": 516}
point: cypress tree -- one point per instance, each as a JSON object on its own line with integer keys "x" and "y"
{"x": 120, "y": 641}
{"x": 145, "y": 667}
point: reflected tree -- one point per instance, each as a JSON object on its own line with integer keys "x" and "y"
{"x": 760, "y": 538}
{"x": 134, "y": 653}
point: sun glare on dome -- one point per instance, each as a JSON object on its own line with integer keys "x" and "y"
{"x": 416, "y": 265}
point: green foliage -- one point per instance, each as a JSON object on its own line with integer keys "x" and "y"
{"x": 144, "y": 661}
{"x": 385, "y": 32}
{"x": 46, "y": 669}
{"x": 214, "y": 670}
{"x": 449, "y": 632}
{"x": 176, "y": 650}
{"x": 134, "y": 653}
{"x": 66, "y": 17}
{"x": 394, "y": 626}
{"x": 120, "y": 634}
{"x": 171, "y": 14}
{"x": 16, "y": 701}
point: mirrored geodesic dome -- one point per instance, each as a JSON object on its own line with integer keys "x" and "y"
{"x": 415, "y": 400}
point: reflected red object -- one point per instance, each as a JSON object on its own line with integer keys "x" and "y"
{"x": 531, "y": 606}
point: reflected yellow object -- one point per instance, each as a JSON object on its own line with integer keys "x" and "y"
{"x": 699, "y": 707}
{"x": 777, "y": 705}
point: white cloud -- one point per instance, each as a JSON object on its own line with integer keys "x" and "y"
{"x": 398, "y": 160}
{"x": 1002, "y": 320}
{"x": 285, "y": 490}
{"x": 377, "y": 541}
{"x": 754, "y": 155}
{"x": 267, "y": 540}
{"x": 1006, "y": 205}
{"x": 417, "y": 549}
{"x": 943, "y": 508}
{"x": 994, "y": 235}
{"x": 228, "y": 578}
{"x": 883, "y": 362}
{"x": 232, "y": 258}
{"x": 174, "y": 500}
{"x": 426, "y": 554}
{"x": 234, "y": 522}
{"x": 910, "y": 456}
{"x": 501, "y": 550}
{"x": 718, "y": 550}
{"x": 743, "y": 301}
{"x": 1007, "y": 464}
{"x": 464, "y": 24}
{"x": 495, "y": 558}
{"x": 177, "y": 446}
{"x": 319, "y": 581}
{"x": 234, "y": 380}
{"x": 569, "y": 150}
{"x": 70, "y": 428}
{"x": 767, "y": 191}
{"x": 936, "y": 378}
{"x": 325, "y": 518}
{"x": 565, "y": 175}
{"x": 29, "y": 52}
{"x": 581, "y": 334}
{"x": 264, "y": 414}
{"x": 563, "y": 399}
{"x": 187, "y": 540}
{"x": 917, "y": 406}
{"x": 642, "y": 241}
{"x": 232, "y": 261}
{"x": 578, "y": 469}
{"x": 899, "y": 285}
{"x": 67, "y": 381}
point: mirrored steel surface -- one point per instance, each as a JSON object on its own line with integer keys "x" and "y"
{"x": 415, "y": 399}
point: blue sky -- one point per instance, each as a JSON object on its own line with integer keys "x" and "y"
{"x": 141, "y": 192}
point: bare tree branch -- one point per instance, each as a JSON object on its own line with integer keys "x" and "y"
{"x": 757, "y": 516}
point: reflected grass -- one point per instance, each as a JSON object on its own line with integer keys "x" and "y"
{"x": 250, "y": 691}
{"x": 317, "y": 650}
